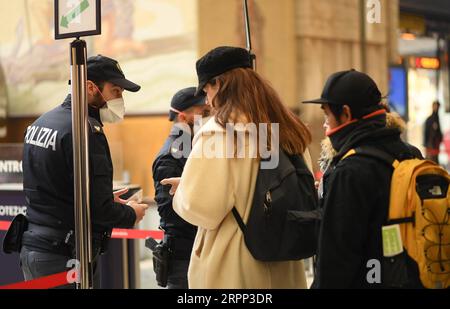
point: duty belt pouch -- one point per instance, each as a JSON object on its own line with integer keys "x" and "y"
{"x": 13, "y": 238}
{"x": 161, "y": 263}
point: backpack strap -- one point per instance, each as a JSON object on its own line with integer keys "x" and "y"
{"x": 375, "y": 153}
{"x": 411, "y": 219}
{"x": 387, "y": 159}
{"x": 305, "y": 216}
{"x": 239, "y": 220}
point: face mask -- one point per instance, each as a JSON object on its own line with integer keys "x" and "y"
{"x": 113, "y": 111}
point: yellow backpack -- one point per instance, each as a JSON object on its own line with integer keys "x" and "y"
{"x": 420, "y": 205}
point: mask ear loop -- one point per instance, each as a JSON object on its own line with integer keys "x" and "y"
{"x": 106, "y": 102}
{"x": 176, "y": 111}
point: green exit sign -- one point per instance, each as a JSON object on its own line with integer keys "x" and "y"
{"x": 77, "y": 18}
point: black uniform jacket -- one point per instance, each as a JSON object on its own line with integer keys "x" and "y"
{"x": 48, "y": 173}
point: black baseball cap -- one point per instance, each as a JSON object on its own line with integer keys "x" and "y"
{"x": 220, "y": 60}
{"x": 101, "y": 68}
{"x": 352, "y": 88}
{"x": 184, "y": 99}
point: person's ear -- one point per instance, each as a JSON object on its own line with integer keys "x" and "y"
{"x": 346, "y": 115}
{"x": 182, "y": 117}
{"x": 91, "y": 89}
{"x": 217, "y": 85}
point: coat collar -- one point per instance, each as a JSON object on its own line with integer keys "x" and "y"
{"x": 93, "y": 112}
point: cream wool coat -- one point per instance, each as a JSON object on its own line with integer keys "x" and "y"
{"x": 208, "y": 190}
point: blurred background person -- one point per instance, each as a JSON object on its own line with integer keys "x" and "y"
{"x": 433, "y": 134}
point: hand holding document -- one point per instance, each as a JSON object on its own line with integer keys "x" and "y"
{"x": 137, "y": 197}
{"x": 119, "y": 193}
{"x": 135, "y": 202}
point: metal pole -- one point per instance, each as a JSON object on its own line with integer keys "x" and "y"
{"x": 78, "y": 55}
{"x": 247, "y": 27}
{"x": 363, "y": 38}
{"x": 248, "y": 35}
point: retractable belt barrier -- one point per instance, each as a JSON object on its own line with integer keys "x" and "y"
{"x": 62, "y": 279}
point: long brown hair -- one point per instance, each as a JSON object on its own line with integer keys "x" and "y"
{"x": 245, "y": 92}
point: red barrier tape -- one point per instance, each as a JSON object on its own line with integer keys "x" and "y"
{"x": 61, "y": 278}
{"x": 48, "y": 282}
{"x": 4, "y": 225}
{"x": 116, "y": 233}
{"x": 136, "y": 234}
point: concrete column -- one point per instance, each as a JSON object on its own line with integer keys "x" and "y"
{"x": 273, "y": 37}
{"x": 329, "y": 40}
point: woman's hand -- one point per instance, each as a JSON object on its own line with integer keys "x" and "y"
{"x": 174, "y": 182}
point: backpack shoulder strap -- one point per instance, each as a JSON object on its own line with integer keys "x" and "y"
{"x": 239, "y": 219}
{"x": 375, "y": 153}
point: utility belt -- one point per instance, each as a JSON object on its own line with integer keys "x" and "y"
{"x": 180, "y": 248}
{"x": 43, "y": 238}
{"x": 165, "y": 253}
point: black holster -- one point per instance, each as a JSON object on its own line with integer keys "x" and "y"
{"x": 161, "y": 260}
{"x": 13, "y": 238}
{"x": 104, "y": 242}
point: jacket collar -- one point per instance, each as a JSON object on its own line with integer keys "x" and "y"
{"x": 93, "y": 112}
{"x": 369, "y": 131}
{"x": 179, "y": 129}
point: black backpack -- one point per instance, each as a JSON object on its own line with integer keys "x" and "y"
{"x": 283, "y": 221}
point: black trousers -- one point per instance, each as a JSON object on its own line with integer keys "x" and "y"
{"x": 37, "y": 264}
{"x": 45, "y": 253}
{"x": 177, "y": 278}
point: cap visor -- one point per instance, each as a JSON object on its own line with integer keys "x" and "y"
{"x": 200, "y": 102}
{"x": 317, "y": 101}
{"x": 172, "y": 116}
{"x": 200, "y": 89}
{"x": 126, "y": 84}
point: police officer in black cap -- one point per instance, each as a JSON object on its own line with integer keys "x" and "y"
{"x": 179, "y": 235}
{"x": 48, "y": 243}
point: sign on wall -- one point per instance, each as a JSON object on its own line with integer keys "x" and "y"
{"x": 11, "y": 163}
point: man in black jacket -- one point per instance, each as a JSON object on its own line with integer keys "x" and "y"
{"x": 356, "y": 189}
{"x": 48, "y": 244}
{"x": 179, "y": 234}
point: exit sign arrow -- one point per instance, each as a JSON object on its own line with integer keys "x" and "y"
{"x": 65, "y": 20}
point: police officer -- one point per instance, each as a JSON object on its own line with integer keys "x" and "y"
{"x": 48, "y": 243}
{"x": 179, "y": 235}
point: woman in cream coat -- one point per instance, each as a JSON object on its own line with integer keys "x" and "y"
{"x": 214, "y": 181}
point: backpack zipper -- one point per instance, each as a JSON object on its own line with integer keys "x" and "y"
{"x": 267, "y": 204}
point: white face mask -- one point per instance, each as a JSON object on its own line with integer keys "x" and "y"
{"x": 113, "y": 111}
